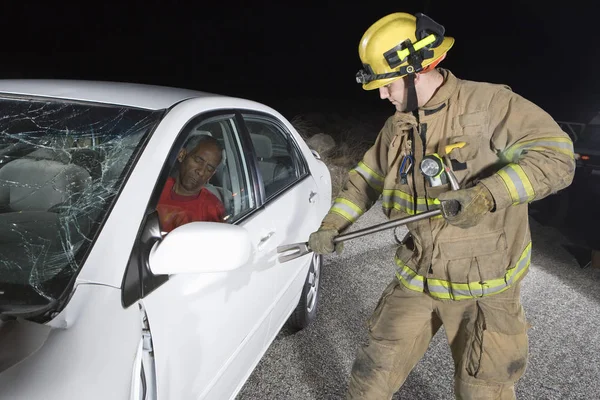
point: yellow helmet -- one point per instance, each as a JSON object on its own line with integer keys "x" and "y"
{"x": 400, "y": 44}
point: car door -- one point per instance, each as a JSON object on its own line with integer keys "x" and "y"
{"x": 291, "y": 206}
{"x": 208, "y": 330}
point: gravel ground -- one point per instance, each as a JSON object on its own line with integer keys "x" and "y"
{"x": 561, "y": 300}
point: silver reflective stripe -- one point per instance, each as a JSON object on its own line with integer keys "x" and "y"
{"x": 404, "y": 201}
{"x": 516, "y": 180}
{"x": 346, "y": 209}
{"x": 408, "y": 277}
{"x": 390, "y": 200}
{"x": 373, "y": 179}
{"x": 548, "y": 143}
{"x": 448, "y": 290}
{"x": 521, "y": 266}
{"x": 453, "y": 291}
{"x": 564, "y": 146}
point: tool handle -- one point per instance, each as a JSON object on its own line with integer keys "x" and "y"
{"x": 386, "y": 225}
{"x": 447, "y": 208}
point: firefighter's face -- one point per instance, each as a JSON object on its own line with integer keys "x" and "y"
{"x": 396, "y": 93}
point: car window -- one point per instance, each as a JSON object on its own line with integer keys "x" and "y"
{"x": 62, "y": 165}
{"x": 210, "y": 180}
{"x": 279, "y": 160}
{"x": 590, "y": 136}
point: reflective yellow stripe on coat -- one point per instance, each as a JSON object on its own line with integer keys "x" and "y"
{"x": 446, "y": 290}
{"x": 555, "y": 144}
{"x": 346, "y": 209}
{"x": 398, "y": 200}
{"x": 374, "y": 179}
{"x": 518, "y": 184}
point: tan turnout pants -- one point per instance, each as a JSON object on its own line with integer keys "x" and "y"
{"x": 487, "y": 337}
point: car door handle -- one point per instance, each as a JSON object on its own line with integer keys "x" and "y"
{"x": 311, "y": 197}
{"x": 265, "y": 239}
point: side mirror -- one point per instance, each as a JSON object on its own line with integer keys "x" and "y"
{"x": 199, "y": 247}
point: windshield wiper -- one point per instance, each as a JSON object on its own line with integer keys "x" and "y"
{"x": 25, "y": 311}
{"x": 23, "y": 301}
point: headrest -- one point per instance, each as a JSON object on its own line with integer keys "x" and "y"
{"x": 190, "y": 142}
{"x": 262, "y": 145}
{"x": 49, "y": 154}
{"x": 28, "y": 184}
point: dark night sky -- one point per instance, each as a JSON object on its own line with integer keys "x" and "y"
{"x": 277, "y": 52}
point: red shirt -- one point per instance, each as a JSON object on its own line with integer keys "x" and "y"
{"x": 175, "y": 210}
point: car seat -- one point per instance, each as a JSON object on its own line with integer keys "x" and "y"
{"x": 40, "y": 181}
{"x": 274, "y": 173}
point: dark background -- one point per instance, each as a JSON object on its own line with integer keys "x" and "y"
{"x": 302, "y": 56}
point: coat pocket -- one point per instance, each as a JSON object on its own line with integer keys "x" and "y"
{"x": 469, "y": 151}
{"x": 470, "y": 130}
{"x": 474, "y": 258}
{"x": 498, "y": 349}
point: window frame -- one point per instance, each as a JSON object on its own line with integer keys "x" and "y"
{"x": 225, "y": 115}
{"x": 138, "y": 281}
{"x": 304, "y": 171}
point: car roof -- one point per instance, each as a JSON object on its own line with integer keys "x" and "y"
{"x": 137, "y": 95}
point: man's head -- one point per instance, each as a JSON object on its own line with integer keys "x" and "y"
{"x": 198, "y": 162}
{"x": 397, "y": 52}
{"x": 425, "y": 85}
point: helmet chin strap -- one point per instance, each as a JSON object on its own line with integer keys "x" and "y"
{"x": 412, "y": 103}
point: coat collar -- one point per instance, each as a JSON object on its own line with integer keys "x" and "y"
{"x": 438, "y": 101}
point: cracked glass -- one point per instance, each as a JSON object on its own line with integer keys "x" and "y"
{"x": 62, "y": 165}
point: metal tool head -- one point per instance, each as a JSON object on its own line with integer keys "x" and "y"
{"x": 450, "y": 208}
{"x": 291, "y": 251}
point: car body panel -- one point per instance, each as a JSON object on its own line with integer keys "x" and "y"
{"x": 89, "y": 352}
{"x": 212, "y": 352}
{"x": 208, "y": 330}
{"x": 128, "y": 212}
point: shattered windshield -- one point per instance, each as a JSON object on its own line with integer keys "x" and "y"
{"x": 61, "y": 166}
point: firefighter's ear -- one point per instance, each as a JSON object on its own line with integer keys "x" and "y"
{"x": 181, "y": 155}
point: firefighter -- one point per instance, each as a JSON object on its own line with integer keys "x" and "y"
{"x": 462, "y": 271}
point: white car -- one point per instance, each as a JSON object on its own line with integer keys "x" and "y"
{"x": 96, "y": 300}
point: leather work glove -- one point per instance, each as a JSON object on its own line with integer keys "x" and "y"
{"x": 474, "y": 202}
{"x": 321, "y": 241}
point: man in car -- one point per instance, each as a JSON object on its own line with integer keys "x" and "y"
{"x": 464, "y": 271}
{"x": 184, "y": 198}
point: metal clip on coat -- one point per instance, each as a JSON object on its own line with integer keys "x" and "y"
{"x": 448, "y": 208}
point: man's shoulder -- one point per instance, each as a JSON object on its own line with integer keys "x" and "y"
{"x": 467, "y": 85}
{"x": 480, "y": 95}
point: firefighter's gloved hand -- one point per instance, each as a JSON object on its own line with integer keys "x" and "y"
{"x": 474, "y": 202}
{"x": 321, "y": 241}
